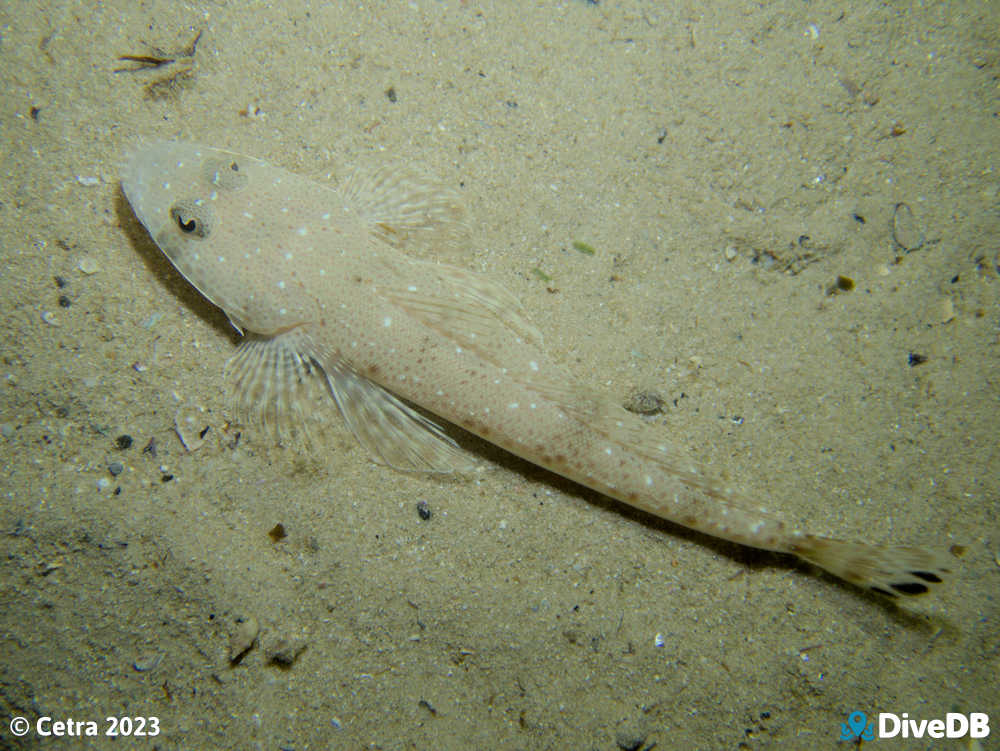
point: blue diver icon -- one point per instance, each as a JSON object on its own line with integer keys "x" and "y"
{"x": 857, "y": 726}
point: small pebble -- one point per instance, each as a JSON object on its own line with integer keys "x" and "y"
{"x": 123, "y": 441}
{"x": 7, "y": 430}
{"x": 284, "y": 652}
{"x": 88, "y": 266}
{"x": 629, "y": 738}
{"x": 116, "y": 468}
{"x": 644, "y": 403}
{"x": 423, "y": 510}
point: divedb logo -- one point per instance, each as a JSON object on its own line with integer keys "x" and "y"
{"x": 890, "y": 725}
{"x": 954, "y": 725}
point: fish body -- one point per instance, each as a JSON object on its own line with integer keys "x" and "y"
{"x": 334, "y": 310}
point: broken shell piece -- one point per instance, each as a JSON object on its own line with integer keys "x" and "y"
{"x": 191, "y": 426}
{"x": 947, "y": 309}
{"x": 243, "y": 638}
{"x": 906, "y": 231}
{"x": 147, "y": 662}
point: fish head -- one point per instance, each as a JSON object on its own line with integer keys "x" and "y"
{"x": 198, "y": 205}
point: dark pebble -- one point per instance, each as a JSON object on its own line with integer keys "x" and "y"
{"x": 116, "y": 468}
{"x": 423, "y": 510}
{"x": 123, "y": 441}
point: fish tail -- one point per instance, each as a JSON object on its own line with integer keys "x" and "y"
{"x": 889, "y": 570}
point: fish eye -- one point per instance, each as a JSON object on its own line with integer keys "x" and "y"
{"x": 192, "y": 218}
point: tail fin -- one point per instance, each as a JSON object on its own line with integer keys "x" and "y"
{"x": 891, "y": 571}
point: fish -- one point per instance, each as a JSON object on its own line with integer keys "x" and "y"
{"x": 338, "y": 313}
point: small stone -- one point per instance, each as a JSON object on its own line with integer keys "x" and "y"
{"x": 730, "y": 252}
{"x": 629, "y": 738}
{"x": 284, "y": 652}
{"x": 7, "y": 430}
{"x": 644, "y": 403}
{"x": 423, "y": 510}
{"x": 278, "y": 532}
{"x": 116, "y": 468}
{"x": 123, "y": 441}
{"x": 88, "y": 266}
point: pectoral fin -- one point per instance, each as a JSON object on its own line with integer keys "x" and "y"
{"x": 282, "y": 384}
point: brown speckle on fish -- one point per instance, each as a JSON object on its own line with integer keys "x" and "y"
{"x": 334, "y": 311}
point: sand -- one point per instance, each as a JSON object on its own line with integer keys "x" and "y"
{"x": 726, "y": 164}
